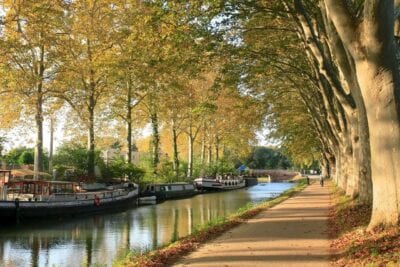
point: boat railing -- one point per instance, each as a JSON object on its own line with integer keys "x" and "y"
{"x": 65, "y": 196}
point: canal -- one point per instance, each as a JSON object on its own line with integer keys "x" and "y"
{"x": 100, "y": 239}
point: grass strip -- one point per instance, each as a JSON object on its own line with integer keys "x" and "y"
{"x": 172, "y": 252}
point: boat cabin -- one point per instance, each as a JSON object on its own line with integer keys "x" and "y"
{"x": 44, "y": 188}
{"x": 168, "y": 187}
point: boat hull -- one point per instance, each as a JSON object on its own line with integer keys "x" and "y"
{"x": 218, "y": 185}
{"x": 170, "y": 191}
{"x": 11, "y": 211}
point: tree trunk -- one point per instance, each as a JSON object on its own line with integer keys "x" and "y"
{"x": 155, "y": 141}
{"x": 372, "y": 47}
{"x": 129, "y": 121}
{"x": 379, "y": 84}
{"x": 175, "y": 149}
{"x": 216, "y": 150}
{"x": 209, "y": 155}
{"x": 190, "y": 154}
{"x": 325, "y": 167}
{"x": 362, "y": 189}
{"x": 51, "y": 145}
{"x": 338, "y": 167}
{"x": 38, "y": 160}
{"x": 203, "y": 145}
{"x": 91, "y": 145}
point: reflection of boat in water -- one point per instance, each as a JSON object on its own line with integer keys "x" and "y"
{"x": 168, "y": 191}
{"x": 220, "y": 183}
{"x": 147, "y": 200}
{"x": 24, "y": 199}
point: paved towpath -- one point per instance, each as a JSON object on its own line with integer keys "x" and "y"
{"x": 292, "y": 233}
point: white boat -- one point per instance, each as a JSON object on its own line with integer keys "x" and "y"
{"x": 219, "y": 183}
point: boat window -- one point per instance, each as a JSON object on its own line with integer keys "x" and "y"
{"x": 152, "y": 188}
{"x": 162, "y": 188}
{"x": 169, "y": 187}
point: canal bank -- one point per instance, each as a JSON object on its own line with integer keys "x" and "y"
{"x": 171, "y": 253}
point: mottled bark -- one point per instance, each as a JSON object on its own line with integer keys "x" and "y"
{"x": 175, "y": 152}
{"x": 155, "y": 140}
{"x": 91, "y": 144}
{"x": 190, "y": 154}
{"x": 216, "y": 149}
{"x": 38, "y": 159}
{"x": 371, "y": 45}
{"x": 129, "y": 120}
{"x": 203, "y": 145}
{"x": 209, "y": 154}
{"x": 51, "y": 145}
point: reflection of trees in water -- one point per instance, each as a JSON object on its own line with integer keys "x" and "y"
{"x": 89, "y": 250}
{"x": 175, "y": 232}
{"x": 128, "y": 232}
{"x": 154, "y": 228}
{"x": 190, "y": 220}
{"x": 35, "y": 252}
{"x": 2, "y": 252}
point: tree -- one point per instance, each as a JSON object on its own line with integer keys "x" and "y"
{"x": 267, "y": 158}
{"x": 351, "y": 89}
{"x": 86, "y": 55}
{"x": 27, "y": 157}
{"x": 73, "y": 157}
{"x": 29, "y": 58}
{"x": 376, "y": 71}
{"x": 3, "y": 141}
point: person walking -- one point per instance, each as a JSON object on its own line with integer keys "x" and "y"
{"x": 321, "y": 180}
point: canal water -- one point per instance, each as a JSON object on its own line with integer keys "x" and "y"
{"x": 101, "y": 239}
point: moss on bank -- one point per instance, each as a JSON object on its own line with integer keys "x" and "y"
{"x": 172, "y": 252}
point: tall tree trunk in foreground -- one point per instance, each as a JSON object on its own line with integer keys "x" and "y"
{"x": 371, "y": 45}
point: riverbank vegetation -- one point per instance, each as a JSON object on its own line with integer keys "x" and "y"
{"x": 204, "y": 233}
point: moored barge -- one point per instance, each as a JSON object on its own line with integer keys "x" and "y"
{"x": 168, "y": 191}
{"x": 29, "y": 199}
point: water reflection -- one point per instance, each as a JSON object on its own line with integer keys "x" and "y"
{"x": 100, "y": 239}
